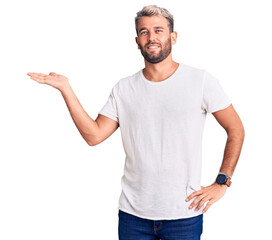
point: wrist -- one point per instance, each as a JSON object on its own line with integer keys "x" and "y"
{"x": 65, "y": 89}
{"x": 225, "y": 174}
{"x": 220, "y": 185}
{"x": 223, "y": 179}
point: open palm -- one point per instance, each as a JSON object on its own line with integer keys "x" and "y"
{"x": 53, "y": 79}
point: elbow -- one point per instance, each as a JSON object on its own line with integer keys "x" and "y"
{"x": 242, "y": 132}
{"x": 236, "y": 133}
{"x": 92, "y": 142}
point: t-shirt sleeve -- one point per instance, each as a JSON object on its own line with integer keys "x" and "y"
{"x": 214, "y": 96}
{"x": 110, "y": 108}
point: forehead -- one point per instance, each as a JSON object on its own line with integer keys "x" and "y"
{"x": 152, "y": 21}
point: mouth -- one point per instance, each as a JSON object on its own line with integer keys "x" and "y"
{"x": 153, "y": 47}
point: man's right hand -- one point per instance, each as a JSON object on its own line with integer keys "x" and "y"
{"x": 93, "y": 131}
{"x": 53, "y": 79}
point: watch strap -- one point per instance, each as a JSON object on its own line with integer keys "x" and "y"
{"x": 228, "y": 182}
{"x": 225, "y": 174}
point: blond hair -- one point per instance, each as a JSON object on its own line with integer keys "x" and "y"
{"x": 153, "y": 10}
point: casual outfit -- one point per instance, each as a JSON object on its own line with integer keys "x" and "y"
{"x": 161, "y": 125}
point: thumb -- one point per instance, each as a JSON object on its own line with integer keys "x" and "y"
{"x": 53, "y": 74}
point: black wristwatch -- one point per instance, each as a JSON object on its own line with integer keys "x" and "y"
{"x": 223, "y": 179}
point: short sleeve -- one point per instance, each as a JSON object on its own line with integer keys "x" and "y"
{"x": 110, "y": 107}
{"x": 214, "y": 96}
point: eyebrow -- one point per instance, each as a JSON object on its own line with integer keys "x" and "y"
{"x": 144, "y": 28}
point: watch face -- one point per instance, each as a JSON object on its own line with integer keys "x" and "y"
{"x": 221, "y": 179}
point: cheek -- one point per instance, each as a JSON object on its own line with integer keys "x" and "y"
{"x": 141, "y": 43}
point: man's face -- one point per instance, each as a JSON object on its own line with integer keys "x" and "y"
{"x": 154, "y": 38}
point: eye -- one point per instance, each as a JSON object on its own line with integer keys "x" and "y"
{"x": 143, "y": 32}
{"x": 159, "y": 30}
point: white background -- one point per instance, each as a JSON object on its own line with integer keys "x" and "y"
{"x": 52, "y": 184}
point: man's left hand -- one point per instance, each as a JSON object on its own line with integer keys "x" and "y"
{"x": 210, "y": 193}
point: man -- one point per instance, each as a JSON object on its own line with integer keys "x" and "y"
{"x": 161, "y": 112}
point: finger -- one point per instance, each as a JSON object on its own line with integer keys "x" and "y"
{"x": 193, "y": 195}
{"x": 201, "y": 203}
{"x": 41, "y": 78}
{"x": 53, "y": 74}
{"x": 36, "y": 74}
{"x": 37, "y": 79}
{"x": 198, "y": 199}
{"x": 31, "y": 74}
{"x": 208, "y": 206}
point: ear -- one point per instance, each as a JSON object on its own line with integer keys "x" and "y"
{"x": 173, "y": 37}
{"x": 137, "y": 41}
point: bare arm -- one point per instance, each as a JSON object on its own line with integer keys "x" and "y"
{"x": 230, "y": 121}
{"x": 93, "y": 131}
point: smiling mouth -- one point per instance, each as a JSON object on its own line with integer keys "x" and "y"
{"x": 153, "y": 47}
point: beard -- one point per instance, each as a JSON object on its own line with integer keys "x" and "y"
{"x": 166, "y": 49}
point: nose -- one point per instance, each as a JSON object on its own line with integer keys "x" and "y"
{"x": 152, "y": 36}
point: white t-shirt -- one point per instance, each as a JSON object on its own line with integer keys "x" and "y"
{"x": 161, "y": 125}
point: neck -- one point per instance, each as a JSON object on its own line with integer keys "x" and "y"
{"x": 160, "y": 71}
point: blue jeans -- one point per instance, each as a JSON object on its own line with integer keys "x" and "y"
{"x": 131, "y": 227}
